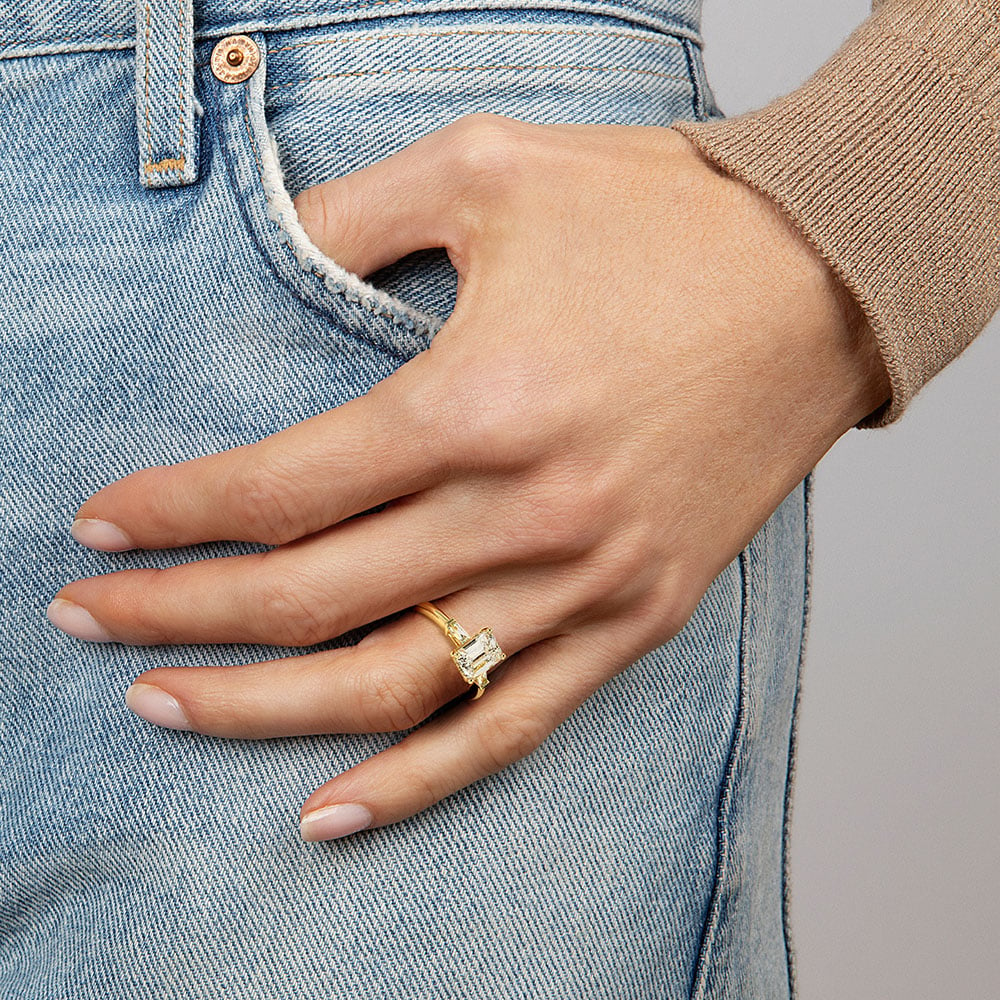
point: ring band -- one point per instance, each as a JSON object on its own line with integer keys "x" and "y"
{"x": 474, "y": 655}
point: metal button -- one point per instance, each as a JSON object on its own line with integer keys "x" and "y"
{"x": 235, "y": 58}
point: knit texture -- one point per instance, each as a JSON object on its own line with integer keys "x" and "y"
{"x": 888, "y": 161}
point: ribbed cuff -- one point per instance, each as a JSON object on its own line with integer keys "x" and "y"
{"x": 888, "y": 161}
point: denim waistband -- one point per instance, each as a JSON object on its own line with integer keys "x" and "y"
{"x": 28, "y": 28}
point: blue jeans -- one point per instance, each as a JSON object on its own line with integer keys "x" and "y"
{"x": 161, "y": 303}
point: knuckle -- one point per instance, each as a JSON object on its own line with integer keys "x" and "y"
{"x": 262, "y": 499}
{"x": 511, "y": 735}
{"x": 551, "y": 518}
{"x": 551, "y": 523}
{"x": 414, "y": 407}
{"x": 288, "y": 612}
{"x": 392, "y": 700}
{"x": 489, "y": 419}
{"x": 628, "y": 560}
{"x": 425, "y": 786}
{"x": 484, "y": 149}
{"x": 617, "y": 575}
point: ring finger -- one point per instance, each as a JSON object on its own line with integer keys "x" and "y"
{"x": 390, "y": 681}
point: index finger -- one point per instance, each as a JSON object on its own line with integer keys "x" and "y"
{"x": 364, "y": 453}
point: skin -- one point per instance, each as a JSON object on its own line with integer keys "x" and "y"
{"x": 623, "y": 395}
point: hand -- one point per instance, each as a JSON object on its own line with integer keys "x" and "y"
{"x": 643, "y": 361}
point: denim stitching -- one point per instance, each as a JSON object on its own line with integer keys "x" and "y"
{"x": 475, "y": 69}
{"x": 149, "y": 139}
{"x": 253, "y": 141}
{"x": 384, "y": 36}
{"x": 14, "y": 42}
{"x": 479, "y": 31}
{"x": 557, "y": 32}
{"x": 290, "y": 11}
{"x": 697, "y": 97}
{"x": 726, "y": 794}
{"x": 180, "y": 74}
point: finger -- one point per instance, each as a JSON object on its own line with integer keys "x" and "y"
{"x": 390, "y": 681}
{"x": 296, "y": 595}
{"x": 300, "y": 480}
{"x": 429, "y": 194}
{"x": 468, "y": 742}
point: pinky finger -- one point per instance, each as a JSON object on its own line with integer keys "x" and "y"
{"x": 536, "y": 692}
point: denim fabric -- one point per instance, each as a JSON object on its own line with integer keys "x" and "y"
{"x": 639, "y": 853}
{"x": 91, "y": 25}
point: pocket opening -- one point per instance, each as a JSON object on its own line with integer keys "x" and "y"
{"x": 281, "y": 211}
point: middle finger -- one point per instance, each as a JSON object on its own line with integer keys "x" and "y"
{"x": 299, "y": 594}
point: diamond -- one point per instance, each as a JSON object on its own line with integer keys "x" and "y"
{"x": 475, "y": 657}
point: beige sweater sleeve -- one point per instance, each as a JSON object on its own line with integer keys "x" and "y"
{"x": 888, "y": 161}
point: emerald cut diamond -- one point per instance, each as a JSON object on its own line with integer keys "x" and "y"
{"x": 475, "y": 657}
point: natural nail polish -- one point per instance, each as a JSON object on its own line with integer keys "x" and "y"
{"x": 76, "y": 621}
{"x": 154, "y": 705}
{"x": 101, "y": 535}
{"x": 331, "y": 822}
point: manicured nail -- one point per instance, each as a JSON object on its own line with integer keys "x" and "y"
{"x": 331, "y": 822}
{"x": 154, "y": 705}
{"x": 76, "y": 621}
{"x": 102, "y": 535}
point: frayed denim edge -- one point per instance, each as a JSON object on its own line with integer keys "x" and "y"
{"x": 281, "y": 210}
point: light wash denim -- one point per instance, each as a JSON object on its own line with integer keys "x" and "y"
{"x": 640, "y": 852}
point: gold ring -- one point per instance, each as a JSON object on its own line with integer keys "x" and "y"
{"x": 474, "y": 655}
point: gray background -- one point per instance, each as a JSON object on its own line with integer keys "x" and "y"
{"x": 896, "y": 878}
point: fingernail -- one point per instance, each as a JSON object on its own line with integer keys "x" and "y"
{"x": 76, "y": 621}
{"x": 331, "y": 822}
{"x": 154, "y": 705}
{"x": 102, "y": 535}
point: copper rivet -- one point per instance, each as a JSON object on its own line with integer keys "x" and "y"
{"x": 235, "y": 59}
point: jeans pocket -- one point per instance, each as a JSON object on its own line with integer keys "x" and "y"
{"x": 352, "y": 306}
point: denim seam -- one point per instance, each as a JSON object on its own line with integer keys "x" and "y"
{"x": 179, "y": 162}
{"x": 479, "y": 69}
{"x": 697, "y": 97}
{"x": 177, "y": 167}
{"x": 379, "y": 36}
{"x": 124, "y": 36}
{"x": 418, "y": 33}
{"x": 358, "y": 293}
{"x": 726, "y": 793}
{"x": 786, "y": 882}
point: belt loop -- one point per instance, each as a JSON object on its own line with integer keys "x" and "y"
{"x": 164, "y": 84}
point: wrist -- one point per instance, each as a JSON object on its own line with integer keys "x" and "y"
{"x": 824, "y": 333}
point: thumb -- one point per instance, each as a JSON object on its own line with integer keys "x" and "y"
{"x": 432, "y": 193}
